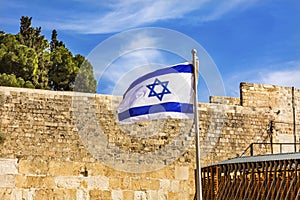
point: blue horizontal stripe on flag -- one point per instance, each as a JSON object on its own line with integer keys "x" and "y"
{"x": 157, "y": 108}
{"x": 181, "y": 68}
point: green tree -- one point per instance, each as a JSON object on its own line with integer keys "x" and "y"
{"x": 17, "y": 59}
{"x": 31, "y": 37}
{"x": 11, "y": 80}
{"x": 85, "y": 81}
{"x": 63, "y": 70}
{"x": 54, "y": 41}
{"x": 29, "y": 60}
{"x": 44, "y": 63}
{"x": 26, "y": 31}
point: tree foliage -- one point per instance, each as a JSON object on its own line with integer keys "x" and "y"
{"x": 54, "y": 41}
{"x": 27, "y": 59}
{"x": 12, "y": 81}
{"x": 85, "y": 81}
{"x": 62, "y": 72}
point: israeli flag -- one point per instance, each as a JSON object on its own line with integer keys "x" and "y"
{"x": 164, "y": 93}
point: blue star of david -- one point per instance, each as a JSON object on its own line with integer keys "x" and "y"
{"x": 161, "y": 94}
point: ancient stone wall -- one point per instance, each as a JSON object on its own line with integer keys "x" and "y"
{"x": 65, "y": 145}
{"x": 280, "y": 102}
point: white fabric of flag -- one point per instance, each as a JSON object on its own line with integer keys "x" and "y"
{"x": 164, "y": 93}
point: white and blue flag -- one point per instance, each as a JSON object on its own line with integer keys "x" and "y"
{"x": 164, "y": 93}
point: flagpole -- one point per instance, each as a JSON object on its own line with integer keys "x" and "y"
{"x": 196, "y": 121}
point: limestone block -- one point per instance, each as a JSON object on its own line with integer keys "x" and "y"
{"x": 140, "y": 195}
{"x": 100, "y": 194}
{"x": 165, "y": 184}
{"x": 34, "y": 166}
{"x": 97, "y": 182}
{"x": 145, "y": 184}
{"x": 8, "y": 166}
{"x": 162, "y": 195}
{"x": 7, "y": 181}
{"x": 126, "y": 182}
{"x": 5, "y": 193}
{"x": 115, "y": 182}
{"x": 181, "y": 172}
{"x": 128, "y": 194}
{"x": 174, "y": 186}
{"x": 166, "y": 172}
{"x": 135, "y": 184}
{"x": 178, "y": 195}
{"x": 28, "y": 194}
{"x": 62, "y": 194}
{"x": 61, "y": 168}
{"x": 152, "y": 194}
{"x": 21, "y": 181}
{"x": 17, "y": 194}
{"x": 173, "y": 195}
{"x": 45, "y": 194}
{"x": 82, "y": 194}
{"x": 96, "y": 169}
{"x": 153, "y": 184}
{"x": 184, "y": 185}
{"x": 116, "y": 195}
{"x": 69, "y": 182}
{"x": 39, "y": 182}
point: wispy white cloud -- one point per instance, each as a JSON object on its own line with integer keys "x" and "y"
{"x": 128, "y": 14}
{"x": 117, "y": 60}
{"x": 221, "y": 8}
{"x": 131, "y": 62}
{"x": 120, "y": 15}
{"x": 282, "y": 74}
{"x": 288, "y": 75}
{"x": 93, "y": 16}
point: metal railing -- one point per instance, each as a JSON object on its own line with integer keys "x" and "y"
{"x": 270, "y": 179}
{"x": 269, "y": 148}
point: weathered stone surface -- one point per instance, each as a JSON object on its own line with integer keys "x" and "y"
{"x": 178, "y": 195}
{"x": 140, "y": 195}
{"x": 28, "y": 194}
{"x": 5, "y": 193}
{"x": 174, "y": 186}
{"x": 181, "y": 173}
{"x": 116, "y": 183}
{"x": 35, "y": 166}
{"x": 8, "y": 166}
{"x": 128, "y": 194}
{"x": 43, "y": 156}
{"x": 100, "y": 194}
{"x": 62, "y": 194}
{"x": 67, "y": 182}
{"x": 97, "y": 182}
{"x": 7, "y": 181}
{"x": 46, "y": 194}
{"x": 61, "y": 168}
{"x": 82, "y": 194}
{"x": 165, "y": 184}
{"x": 34, "y": 181}
{"x": 117, "y": 195}
{"x": 152, "y": 194}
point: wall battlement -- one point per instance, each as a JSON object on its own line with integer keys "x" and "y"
{"x": 51, "y": 145}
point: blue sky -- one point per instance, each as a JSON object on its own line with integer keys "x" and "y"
{"x": 248, "y": 40}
